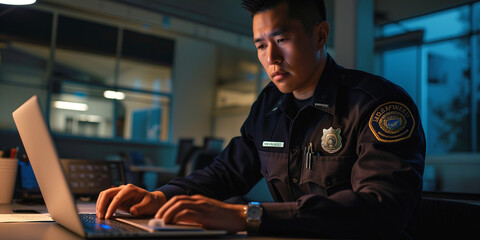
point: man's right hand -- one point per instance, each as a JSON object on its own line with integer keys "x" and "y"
{"x": 129, "y": 198}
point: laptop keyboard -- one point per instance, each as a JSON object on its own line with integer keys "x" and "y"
{"x": 92, "y": 224}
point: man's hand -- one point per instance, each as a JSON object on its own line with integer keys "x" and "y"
{"x": 209, "y": 213}
{"x": 129, "y": 198}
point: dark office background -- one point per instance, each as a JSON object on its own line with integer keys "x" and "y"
{"x": 145, "y": 74}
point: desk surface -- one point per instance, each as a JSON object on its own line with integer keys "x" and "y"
{"x": 52, "y": 230}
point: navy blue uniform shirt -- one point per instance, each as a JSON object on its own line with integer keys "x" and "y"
{"x": 362, "y": 178}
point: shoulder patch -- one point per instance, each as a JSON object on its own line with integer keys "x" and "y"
{"x": 392, "y": 122}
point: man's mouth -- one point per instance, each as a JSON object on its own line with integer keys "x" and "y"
{"x": 279, "y": 75}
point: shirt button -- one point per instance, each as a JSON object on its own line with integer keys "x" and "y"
{"x": 294, "y": 151}
{"x": 294, "y": 180}
{"x": 328, "y": 181}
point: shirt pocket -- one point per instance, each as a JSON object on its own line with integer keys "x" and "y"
{"x": 274, "y": 165}
{"x": 329, "y": 171}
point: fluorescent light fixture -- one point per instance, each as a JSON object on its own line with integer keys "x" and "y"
{"x": 70, "y": 106}
{"x": 114, "y": 95}
{"x": 17, "y": 2}
{"x": 90, "y": 118}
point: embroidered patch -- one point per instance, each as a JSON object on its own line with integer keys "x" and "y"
{"x": 331, "y": 140}
{"x": 392, "y": 122}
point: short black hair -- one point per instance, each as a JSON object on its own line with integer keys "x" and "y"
{"x": 309, "y": 12}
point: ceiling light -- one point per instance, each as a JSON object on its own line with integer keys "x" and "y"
{"x": 114, "y": 95}
{"x": 17, "y": 2}
{"x": 70, "y": 106}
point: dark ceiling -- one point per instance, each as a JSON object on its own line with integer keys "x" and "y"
{"x": 223, "y": 14}
{"x": 228, "y": 14}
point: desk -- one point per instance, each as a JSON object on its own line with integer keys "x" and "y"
{"x": 167, "y": 170}
{"x": 51, "y": 230}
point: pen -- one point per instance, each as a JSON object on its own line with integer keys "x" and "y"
{"x": 305, "y": 153}
{"x": 308, "y": 152}
{"x": 308, "y": 156}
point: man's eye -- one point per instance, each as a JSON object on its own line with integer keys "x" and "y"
{"x": 281, "y": 40}
{"x": 261, "y": 46}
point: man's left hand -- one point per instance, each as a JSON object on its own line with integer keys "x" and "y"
{"x": 209, "y": 213}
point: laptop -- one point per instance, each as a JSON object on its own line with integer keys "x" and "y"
{"x": 58, "y": 196}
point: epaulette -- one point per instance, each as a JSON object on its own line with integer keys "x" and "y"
{"x": 375, "y": 86}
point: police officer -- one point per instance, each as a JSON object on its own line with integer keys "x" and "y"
{"x": 342, "y": 150}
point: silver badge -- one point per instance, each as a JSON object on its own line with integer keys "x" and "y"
{"x": 331, "y": 140}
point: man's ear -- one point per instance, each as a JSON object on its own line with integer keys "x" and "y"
{"x": 321, "y": 32}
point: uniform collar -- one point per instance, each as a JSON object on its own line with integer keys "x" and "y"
{"x": 325, "y": 95}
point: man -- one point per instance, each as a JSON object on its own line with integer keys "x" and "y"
{"x": 342, "y": 150}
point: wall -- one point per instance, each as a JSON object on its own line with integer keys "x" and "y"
{"x": 11, "y": 100}
{"x": 354, "y": 34}
{"x": 395, "y": 10}
{"x": 454, "y": 173}
{"x": 194, "y": 77}
{"x": 228, "y": 126}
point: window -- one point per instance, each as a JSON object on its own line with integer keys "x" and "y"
{"x": 449, "y": 91}
{"x": 440, "y": 25}
{"x": 441, "y": 73}
{"x": 144, "y": 116}
{"x": 101, "y": 80}
{"x": 146, "y": 62}
{"x": 81, "y": 110}
{"x": 24, "y": 57}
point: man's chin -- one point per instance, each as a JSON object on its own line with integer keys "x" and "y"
{"x": 284, "y": 89}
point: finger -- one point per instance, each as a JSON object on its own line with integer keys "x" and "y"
{"x": 104, "y": 199}
{"x": 179, "y": 206}
{"x": 197, "y": 197}
{"x": 119, "y": 198}
{"x": 97, "y": 205}
{"x": 98, "y": 200}
{"x": 188, "y": 215}
{"x": 143, "y": 207}
{"x": 168, "y": 204}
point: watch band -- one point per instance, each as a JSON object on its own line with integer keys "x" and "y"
{"x": 254, "y": 213}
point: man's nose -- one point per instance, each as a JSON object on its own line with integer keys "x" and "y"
{"x": 274, "y": 55}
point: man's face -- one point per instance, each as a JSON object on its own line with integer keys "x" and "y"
{"x": 288, "y": 54}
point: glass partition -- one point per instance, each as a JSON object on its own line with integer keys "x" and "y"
{"x": 100, "y": 80}
{"x": 81, "y": 110}
{"x": 441, "y": 71}
{"x": 145, "y": 117}
{"x": 145, "y": 76}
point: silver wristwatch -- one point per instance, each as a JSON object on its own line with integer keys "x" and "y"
{"x": 254, "y": 213}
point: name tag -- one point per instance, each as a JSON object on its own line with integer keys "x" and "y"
{"x": 272, "y": 144}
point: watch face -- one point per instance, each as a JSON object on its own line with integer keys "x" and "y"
{"x": 254, "y": 212}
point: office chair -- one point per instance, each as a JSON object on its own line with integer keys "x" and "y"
{"x": 200, "y": 159}
{"x": 191, "y": 158}
{"x": 129, "y": 160}
{"x": 185, "y": 146}
{"x": 447, "y": 219}
{"x": 213, "y": 143}
{"x": 185, "y": 150}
